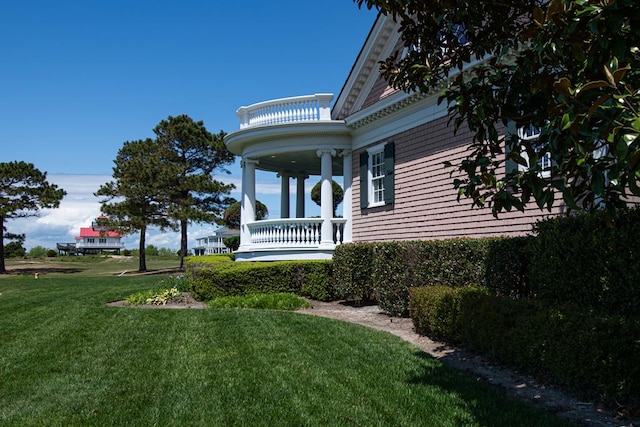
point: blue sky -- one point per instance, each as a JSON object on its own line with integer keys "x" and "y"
{"x": 79, "y": 78}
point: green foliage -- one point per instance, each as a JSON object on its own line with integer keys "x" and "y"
{"x": 192, "y": 156}
{"x": 37, "y": 252}
{"x": 507, "y": 266}
{"x": 152, "y": 250}
{"x": 14, "y": 250}
{"x": 51, "y": 253}
{"x": 352, "y": 277}
{"x": 167, "y": 290}
{"x": 589, "y": 353}
{"x": 570, "y": 68}
{"x": 231, "y": 216}
{"x": 126, "y": 252}
{"x": 573, "y": 346}
{"x": 305, "y": 278}
{"x": 24, "y": 192}
{"x": 583, "y": 260}
{"x": 338, "y": 194}
{"x": 399, "y": 266}
{"x": 435, "y": 310}
{"x": 136, "y": 198}
{"x": 232, "y": 242}
{"x": 276, "y": 301}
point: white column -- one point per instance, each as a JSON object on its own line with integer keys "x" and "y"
{"x": 248, "y": 203}
{"x": 326, "y": 198}
{"x": 347, "y": 203}
{"x": 300, "y": 195}
{"x": 284, "y": 195}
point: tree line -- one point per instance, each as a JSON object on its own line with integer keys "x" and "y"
{"x": 168, "y": 182}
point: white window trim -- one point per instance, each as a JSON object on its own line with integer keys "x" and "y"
{"x": 371, "y": 151}
{"x": 533, "y": 137}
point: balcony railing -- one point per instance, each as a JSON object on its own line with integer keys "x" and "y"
{"x": 299, "y": 233}
{"x": 286, "y": 110}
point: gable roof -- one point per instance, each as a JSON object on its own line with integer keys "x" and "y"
{"x": 380, "y": 44}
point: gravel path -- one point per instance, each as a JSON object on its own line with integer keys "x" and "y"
{"x": 514, "y": 383}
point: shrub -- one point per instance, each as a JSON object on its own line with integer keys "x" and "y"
{"x": 126, "y": 252}
{"x": 51, "y": 253}
{"x": 352, "y": 277}
{"x": 399, "y": 266}
{"x": 583, "y": 260}
{"x": 435, "y": 310}
{"x": 587, "y": 352}
{"x": 507, "y": 266}
{"x": 305, "y": 278}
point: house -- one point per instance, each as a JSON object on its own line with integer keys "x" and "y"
{"x": 214, "y": 243}
{"x": 93, "y": 240}
{"x": 389, "y": 146}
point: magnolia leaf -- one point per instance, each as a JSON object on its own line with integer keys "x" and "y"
{"x": 563, "y": 86}
{"x": 619, "y": 74}
{"x": 516, "y": 157}
{"x": 609, "y": 75}
{"x": 592, "y": 85}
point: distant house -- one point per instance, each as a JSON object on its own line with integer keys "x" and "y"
{"x": 214, "y": 244}
{"x": 93, "y": 240}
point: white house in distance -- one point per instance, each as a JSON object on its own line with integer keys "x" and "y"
{"x": 388, "y": 145}
{"x": 213, "y": 244}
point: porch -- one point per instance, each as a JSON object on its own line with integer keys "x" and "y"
{"x": 294, "y": 138}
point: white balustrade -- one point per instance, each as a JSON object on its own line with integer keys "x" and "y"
{"x": 286, "y": 110}
{"x": 292, "y": 232}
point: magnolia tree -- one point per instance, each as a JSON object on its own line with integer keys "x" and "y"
{"x": 570, "y": 69}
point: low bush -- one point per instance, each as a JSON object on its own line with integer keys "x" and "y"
{"x": 306, "y": 278}
{"x": 277, "y": 301}
{"x": 435, "y": 310}
{"x": 587, "y": 352}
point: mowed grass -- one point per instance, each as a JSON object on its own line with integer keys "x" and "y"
{"x": 68, "y": 359}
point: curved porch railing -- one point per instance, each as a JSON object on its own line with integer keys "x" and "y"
{"x": 286, "y": 110}
{"x": 292, "y": 232}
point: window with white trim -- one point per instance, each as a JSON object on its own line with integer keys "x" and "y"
{"x": 532, "y": 133}
{"x": 376, "y": 176}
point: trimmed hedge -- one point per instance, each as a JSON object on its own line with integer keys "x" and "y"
{"x": 588, "y": 353}
{"x": 386, "y": 271}
{"x": 435, "y": 310}
{"x": 352, "y": 277}
{"x": 583, "y": 260}
{"x": 304, "y": 278}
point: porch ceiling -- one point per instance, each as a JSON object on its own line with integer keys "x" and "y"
{"x": 292, "y": 147}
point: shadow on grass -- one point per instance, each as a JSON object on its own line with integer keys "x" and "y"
{"x": 480, "y": 399}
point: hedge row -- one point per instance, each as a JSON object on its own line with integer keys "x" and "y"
{"x": 304, "y": 278}
{"x": 386, "y": 271}
{"x": 583, "y": 260}
{"x": 575, "y": 347}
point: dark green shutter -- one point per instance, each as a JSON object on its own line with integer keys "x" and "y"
{"x": 364, "y": 180}
{"x": 389, "y": 180}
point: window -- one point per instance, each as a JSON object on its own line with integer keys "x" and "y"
{"x": 91, "y": 240}
{"x": 532, "y": 133}
{"x": 376, "y": 176}
{"x": 102, "y": 240}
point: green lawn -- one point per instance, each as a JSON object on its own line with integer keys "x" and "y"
{"x": 68, "y": 359}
